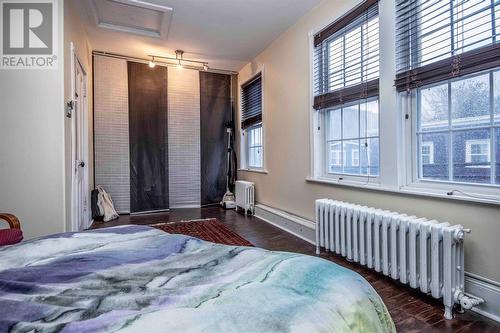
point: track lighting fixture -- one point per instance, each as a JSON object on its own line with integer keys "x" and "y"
{"x": 152, "y": 63}
{"x": 179, "y": 61}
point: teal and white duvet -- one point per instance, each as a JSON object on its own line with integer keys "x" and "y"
{"x": 140, "y": 279}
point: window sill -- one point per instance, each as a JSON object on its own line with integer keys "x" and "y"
{"x": 372, "y": 185}
{"x": 262, "y": 171}
{"x": 413, "y": 189}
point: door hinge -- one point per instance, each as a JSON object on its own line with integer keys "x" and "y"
{"x": 69, "y": 108}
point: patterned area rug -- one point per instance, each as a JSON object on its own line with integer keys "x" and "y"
{"x": 211, "y": 230}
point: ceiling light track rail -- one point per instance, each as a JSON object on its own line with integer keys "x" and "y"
{"x": 178, "y": 62}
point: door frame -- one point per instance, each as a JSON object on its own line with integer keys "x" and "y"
{"x": 74, "y": 62}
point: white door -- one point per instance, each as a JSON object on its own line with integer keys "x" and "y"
{"x": 80, "y": 154}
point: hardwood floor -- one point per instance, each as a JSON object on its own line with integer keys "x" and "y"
{"x": 410, "y": 310}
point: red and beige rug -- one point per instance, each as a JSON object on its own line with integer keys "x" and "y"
{"x": 211, "y": 230}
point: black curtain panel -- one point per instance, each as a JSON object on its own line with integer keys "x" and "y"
{"x": 147, "y": 88}
{"x": 215, "y": 112}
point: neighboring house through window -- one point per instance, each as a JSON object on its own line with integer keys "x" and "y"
{"x": 427, "y": 152}
{"x": 477, "y": 151}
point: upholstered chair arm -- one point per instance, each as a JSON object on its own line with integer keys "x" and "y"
{"x": 11, "y": 220}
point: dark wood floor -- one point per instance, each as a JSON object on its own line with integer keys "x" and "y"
{"x": 410, "y": 310}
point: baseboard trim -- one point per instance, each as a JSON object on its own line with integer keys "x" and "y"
{"x": 295, "y": 225}
{"x": 486, "y": 289}
{"x": 183, "y": 206}
{"x": 476, "y": 285}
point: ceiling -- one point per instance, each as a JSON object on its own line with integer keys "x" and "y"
{"x": 226, "y": 33}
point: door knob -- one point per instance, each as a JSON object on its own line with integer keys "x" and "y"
{"x": 81, "y": 164}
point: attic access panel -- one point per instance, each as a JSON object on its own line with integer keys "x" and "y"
{"x": 133, "y": 16}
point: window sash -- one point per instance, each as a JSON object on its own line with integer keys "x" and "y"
{"x": 452, "y": 133}
{"x": 359, "y": 156}
{"x": 254, "y": 147}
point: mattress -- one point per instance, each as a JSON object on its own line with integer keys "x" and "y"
{"x": 140, "y": 279}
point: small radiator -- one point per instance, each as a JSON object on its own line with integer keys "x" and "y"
{"x": 425, "y": 254}
{"x": 245, "y": 196}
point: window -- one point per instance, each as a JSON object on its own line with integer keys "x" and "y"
{"x": 254, "y": 146}
{"x": 446, "y": 61}
{"x": 477, "y": 152}
{"x": 346, "y": 71}
{"x": 352, "y": 133}
{"x": 427, "y": 153}
{"x": 251, "y": 122}
{"x": 457, "y": 117}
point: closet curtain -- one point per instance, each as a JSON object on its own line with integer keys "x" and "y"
{"x": 148, "y": 131}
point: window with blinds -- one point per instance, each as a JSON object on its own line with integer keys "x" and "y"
{"x": 447, "y": 59}
{"x": 251, "y": 102}
{"x": 442, "y": 39}
{"x": 346, "y": 58}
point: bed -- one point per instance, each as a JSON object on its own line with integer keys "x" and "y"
{"x": 140, "y": 279}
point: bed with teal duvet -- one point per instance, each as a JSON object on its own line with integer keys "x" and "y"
{"x": 140, "y": 279}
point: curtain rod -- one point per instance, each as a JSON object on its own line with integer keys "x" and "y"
{"x": 161, "y": 63}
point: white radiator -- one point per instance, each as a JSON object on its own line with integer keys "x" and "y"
{"x": 426, "y": 254}
{"x": 245, "y": 197}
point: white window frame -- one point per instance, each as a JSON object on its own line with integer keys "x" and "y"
{"x": 249, "y": 146}
{"x": 410, "y": 181}
{"x": 243, "y": 132}
{"x": 321, "y": 146}
{"x": 468, "y": 149}
{"x": 398, "y": 148}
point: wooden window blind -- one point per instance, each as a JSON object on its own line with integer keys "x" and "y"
{"x": 438, "y": 40}
{"x": 346, "y": 58}
{"x": 251, "y": 102}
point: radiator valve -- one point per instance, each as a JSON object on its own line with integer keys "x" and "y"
{"x": 468, "y": 302}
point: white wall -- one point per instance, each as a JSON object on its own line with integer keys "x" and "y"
{"x": 287, "y": 149}
{"x": 32, "y": 146}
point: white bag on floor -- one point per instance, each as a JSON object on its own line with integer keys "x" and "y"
{"x": 105, "y": 204}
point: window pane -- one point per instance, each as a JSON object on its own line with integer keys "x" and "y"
{"x": 255, "y": 157}
{"x": 497, "y": 156}
{"x": 471, "y": 156}
{"x": 336, "y": 64}
{"x": 470, "y": 104}
{"x": 434, "y": 108}
{"x": 369, "y": 119}
{"x": 350, "y": 119}
{"x": 497, "y": 18}
{"x": 353, "y": 57}
{"x": 255, "y": 146}
{"x": 433, "y": 156}
{"x": 370, "y": 49}
{"x": 369, "y": 157}
{"x": 472, "y": 28}
{"x": 496, "y": 94}
{"x": 334, "y": 119}
{"x": 334, "y": 153}
{"x": 351, "y": 157}
{"x": 435, "y": 31}
{"x": 347, "y": 153}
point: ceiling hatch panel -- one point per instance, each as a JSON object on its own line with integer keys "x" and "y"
{"x": 133, "y": 16}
